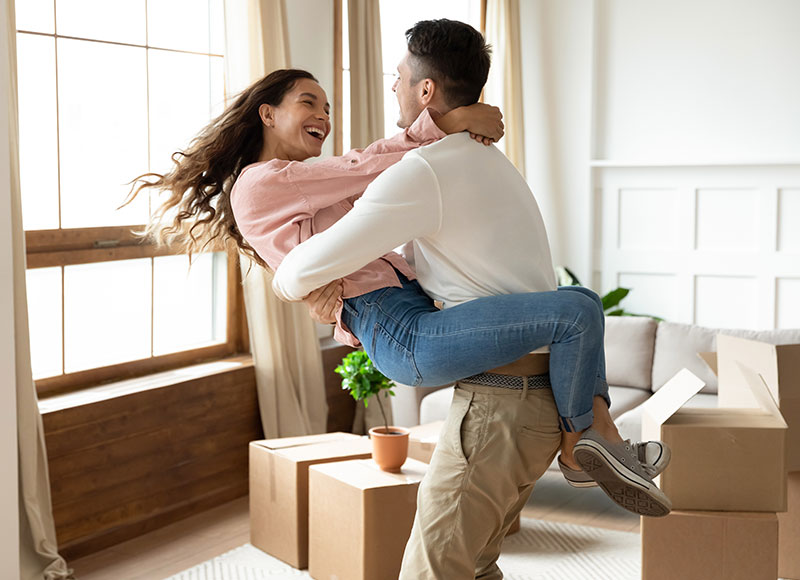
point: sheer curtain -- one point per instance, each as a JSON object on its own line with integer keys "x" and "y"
{"x": 504, "y": 86}
{"x": 283, "y": 338}
{"x": 39, "y": 556}
{"x": 366, "y": 72}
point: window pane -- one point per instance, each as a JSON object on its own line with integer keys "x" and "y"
{"x": 346, "y": 111}
{"x": 217, "y": 85}
{"x": 38, "y": 140}
{"x": 102, "y": 95}
{"x": 397, "y": 17}
{"x": 35, "y": 15}
{"x": 391, "y": 110}
{"x": 180, "y": 102}
{"x": 345, "y": 36}
{"x": 179, "y": 24}
{"x": 189, "y": 303}
{"x": 217, "y": 31}
{"x": 107, "y": 312}
{"x": 44, "y": 320}
{"x": 117, "y": 20}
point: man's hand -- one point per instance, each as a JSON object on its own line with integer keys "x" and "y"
{"x": 323, "y": 302}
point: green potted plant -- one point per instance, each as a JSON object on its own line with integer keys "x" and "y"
{"x": 363, "y": 380}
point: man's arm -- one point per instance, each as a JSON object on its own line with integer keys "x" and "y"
{"x": 402, "y": 204}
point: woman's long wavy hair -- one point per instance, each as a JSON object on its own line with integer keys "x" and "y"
{"x": 195, "y": 210}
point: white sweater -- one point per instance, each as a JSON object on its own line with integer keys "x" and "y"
{"x": 471, "y": 222}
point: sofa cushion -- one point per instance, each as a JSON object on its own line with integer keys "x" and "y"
{"x": 677, "y": 346}
{"x": 624, "y": 399}
{"x": 629, "y": 345}
{"x": 434, "y": 407}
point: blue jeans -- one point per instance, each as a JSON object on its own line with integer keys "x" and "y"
{"x": 412, "y": 342}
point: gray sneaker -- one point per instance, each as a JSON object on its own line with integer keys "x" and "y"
{"x": 654, "y": 457}
{"x": 575, "y": 477}
{"x": 618, "y": 472}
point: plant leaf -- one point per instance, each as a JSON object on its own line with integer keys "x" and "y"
{"x": 614, "y": 297}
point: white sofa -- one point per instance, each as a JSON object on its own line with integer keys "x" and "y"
{"x": 641, "y": 355}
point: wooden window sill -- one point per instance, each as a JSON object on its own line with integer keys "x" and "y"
{"x": 159, "y": 380}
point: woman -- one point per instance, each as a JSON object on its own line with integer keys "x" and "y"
{"x": 243, "y": 178}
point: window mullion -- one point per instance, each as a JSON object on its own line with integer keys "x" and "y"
{"x": 152, "y": 305}
{"x": 58, "y": 113}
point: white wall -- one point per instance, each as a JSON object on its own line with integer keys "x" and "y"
{"x": 715, "y": 79}
{"x": 9, "y": 522}
{"x": 557, "y": 76}
{"x": 663, "y": 144}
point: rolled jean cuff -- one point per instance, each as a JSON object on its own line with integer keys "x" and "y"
{"x": 578, "y": 423}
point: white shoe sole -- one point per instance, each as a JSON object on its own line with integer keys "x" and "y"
{"x": 623, "y": 486}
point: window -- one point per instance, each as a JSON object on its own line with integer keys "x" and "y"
{"x": 107, "y": 91}
{"x": 396, "y": 18}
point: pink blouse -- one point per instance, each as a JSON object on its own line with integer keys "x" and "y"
{"x": 278, "y": 204}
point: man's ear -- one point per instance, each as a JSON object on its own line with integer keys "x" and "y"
{"x": 427, "y": 91}
{"x": 266, "y": 112}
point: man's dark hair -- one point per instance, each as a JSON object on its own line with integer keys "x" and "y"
{"x": 453, "y": 54}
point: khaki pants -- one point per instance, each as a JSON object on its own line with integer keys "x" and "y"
{"x": 495, "y": 444}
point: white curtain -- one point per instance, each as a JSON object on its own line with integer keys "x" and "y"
{"x": 504, "y": 86}
{"x": 39, "y": 556}
{"x": 283, "y": 338}
{"x": 366, "y": 72}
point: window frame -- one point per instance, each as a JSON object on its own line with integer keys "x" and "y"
{"x": 66, "y": 247}
{"x": 74, "y": 246}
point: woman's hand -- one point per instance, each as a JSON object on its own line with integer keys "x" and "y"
{"x": 484, "y": 122}
{"x": 324, "y": 302}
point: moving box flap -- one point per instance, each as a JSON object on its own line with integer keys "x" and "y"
{"x": 666, "y": 401}
{"x": 710, "y": 358}
{"x": 286, "y": 442}
{"x": 358, "y": 446}
{"x": 734, "y": 353}
{"x": 760, "y": 392}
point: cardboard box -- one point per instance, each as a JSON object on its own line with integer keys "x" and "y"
{"x": 422, "y": 440}
{"x": 360, "y": 519}
{"x": 778, "y": 367}
{"x": 279, "y": 488}
{"x": 710, "y": 546}
{"x": 722, "y": 459}
{"x": 789, "y": 532}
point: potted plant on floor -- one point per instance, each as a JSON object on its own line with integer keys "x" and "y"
{"x": 363, "y": 380}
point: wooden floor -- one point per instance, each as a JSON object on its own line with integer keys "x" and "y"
{"x": 182, "y": 545}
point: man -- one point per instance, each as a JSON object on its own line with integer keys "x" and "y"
{"x": 458, "y": 205}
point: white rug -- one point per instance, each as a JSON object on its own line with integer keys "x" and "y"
{"x": 539, "y": 551}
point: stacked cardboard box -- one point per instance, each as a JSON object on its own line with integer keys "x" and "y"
{"x": 360, "y": 519}
{"x": 279, "y": 488}
{"x": 779, "y": 366}
{"x": 728, "y": 475}
{"x": 789, "y": 532}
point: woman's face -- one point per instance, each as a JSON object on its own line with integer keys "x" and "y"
{"x": 301, "y": 123}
